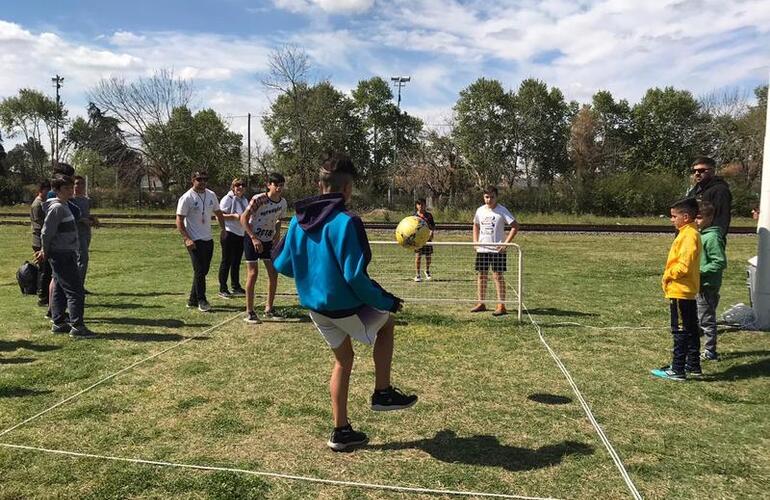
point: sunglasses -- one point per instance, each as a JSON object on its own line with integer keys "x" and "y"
{"x": 202, "y": 179}
{"x": 238, "y": 185}
{"x": 698, "y": 171}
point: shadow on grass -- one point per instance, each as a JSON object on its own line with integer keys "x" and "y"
{"x": 147, "y": 337}
{"x": 549, "y": 399}
{"x": 487, "y": 451}
{"x": 20, "y": 392}
{"x": 165, "y": 323}
{"x": 12, "y": 345}
{"x": 551, "y": 311}
{"x": 756, "y": 369}
{"x": 139, "y": 294}
{"x": 127, "y": 306}
{"x": 16, "y": 361}
{"x": 743, "y": 354}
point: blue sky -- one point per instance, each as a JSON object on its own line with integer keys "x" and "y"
{"x": 581, "y": 46}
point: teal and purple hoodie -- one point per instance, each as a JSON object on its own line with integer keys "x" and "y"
{"x": 326, "y": 251}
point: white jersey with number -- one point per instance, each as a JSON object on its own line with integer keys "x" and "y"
{"x": 264, "y": 216}
{"x": 197, "y": 209}
{"x": 491, "y": 222}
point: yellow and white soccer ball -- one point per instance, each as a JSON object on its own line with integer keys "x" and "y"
{"x": 412, "y": 233}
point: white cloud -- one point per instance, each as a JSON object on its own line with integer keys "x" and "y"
{"x": 328, "y": 6}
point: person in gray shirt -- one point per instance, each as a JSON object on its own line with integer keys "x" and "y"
{"x": 60, "y": 244}
{"x": 84, "y": 225}
{"x": 37, "y": 216}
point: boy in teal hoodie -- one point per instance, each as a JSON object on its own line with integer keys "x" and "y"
{"x": 712, "y": 262}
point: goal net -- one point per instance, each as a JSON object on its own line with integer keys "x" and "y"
{"x": 453, "y": 277}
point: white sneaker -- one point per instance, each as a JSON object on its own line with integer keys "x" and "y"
{"x": 417, "y": 278}
{"x": 428, "y": 277}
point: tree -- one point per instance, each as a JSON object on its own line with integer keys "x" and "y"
{"x": 140, "y": 105}
{"x": 585, "y": 152}
{"x": 485, "y": 121}
{"x": 615, "y": 135}
{"x": 32, "y": 115}
{"x": 668, "y": 123}
{"x": 29, "y": 161}
{"x": 188, "y": 142}
{"x": 433, "y": 166}
{"x": 544, "y": 118}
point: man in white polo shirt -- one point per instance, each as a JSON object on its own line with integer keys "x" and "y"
{"x": 193, "y": 220}
{"x": 489, "y": 227}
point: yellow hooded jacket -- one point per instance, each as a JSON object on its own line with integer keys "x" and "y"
{"x": 681, "y": 279}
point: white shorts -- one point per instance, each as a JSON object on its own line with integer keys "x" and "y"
{"x": 362, "y": 326}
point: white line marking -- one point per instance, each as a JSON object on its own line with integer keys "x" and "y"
{"x": 614, "y": 454}
{"x": 405, "y": 489}
{"x": 109, "y": 377}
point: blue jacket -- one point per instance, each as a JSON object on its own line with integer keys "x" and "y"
{"x": 326, "y": 251}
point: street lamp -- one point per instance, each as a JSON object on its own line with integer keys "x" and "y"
{"x": 399, "y": 82}
{"x": 57, "y": 81}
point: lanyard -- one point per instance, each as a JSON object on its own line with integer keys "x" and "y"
{"x": 203, "y": 206}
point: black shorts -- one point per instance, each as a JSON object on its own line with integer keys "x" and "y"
{"x": 498, "y": 262}
{"x": 251, "y": 255}
{"x": 425, "y": 250}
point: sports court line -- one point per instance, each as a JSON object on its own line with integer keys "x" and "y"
{"x": 109, "y": 377}
{"x": 603, "y": 437}
{"x": 374, "y": 486}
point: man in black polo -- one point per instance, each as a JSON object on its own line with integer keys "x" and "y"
{"x": 709, "y": 187}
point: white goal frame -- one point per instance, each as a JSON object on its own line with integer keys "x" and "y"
{"x": 425, "y": 298}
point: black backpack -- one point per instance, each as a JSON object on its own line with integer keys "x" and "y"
{"x": 27, "y": 278}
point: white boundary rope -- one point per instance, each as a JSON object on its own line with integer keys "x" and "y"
{"x": 109, "y": 377}
{"x": 603, "y": 437}
{"x": 404, "y": 489}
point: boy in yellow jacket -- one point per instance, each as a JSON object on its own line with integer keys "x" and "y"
{"x": 681, "y": 282}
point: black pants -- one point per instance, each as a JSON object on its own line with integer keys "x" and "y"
{"x": 68, "y": 293}
{"x": 201, "y": 261}
{"x": 686, "y": 332}
{"x": 232, "y": 252}
{"x": 43, "y": 278}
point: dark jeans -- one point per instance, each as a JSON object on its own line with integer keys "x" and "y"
{"x": 85, "y": 242}
{"x": 201, "y": 261}
{"x": 68, "y": 293}
{"x": 232, "y": 251}
{"x": 43, "y": 278}
{"x": 686, "y": 332}
{"x": 708, "y": 300}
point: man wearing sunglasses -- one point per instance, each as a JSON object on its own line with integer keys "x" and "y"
{"x": 711, "y": 188}
{"x": 193, "y": 220}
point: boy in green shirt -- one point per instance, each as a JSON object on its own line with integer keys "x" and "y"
{"x": 712, "y": 262}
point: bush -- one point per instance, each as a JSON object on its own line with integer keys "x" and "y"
{"x": 11, "y": 191}
{"x": 632, "y": 193}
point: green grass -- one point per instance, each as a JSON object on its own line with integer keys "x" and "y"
{"x": 256, "y": 398}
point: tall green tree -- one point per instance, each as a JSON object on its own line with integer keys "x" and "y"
{"x": 29, "y": 161}
{"x": 544, "y": 121}
{"x": 669, "y": 125}
{"x": 615, "y": 134}
{"x": 484, "y": 131}
{"x": 191, "y": 141}
{"x": 33, "y": 116}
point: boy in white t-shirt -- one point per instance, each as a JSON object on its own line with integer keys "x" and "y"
{"x": 489, "y": 227}
{"x": 261, "y": 222}
{"x": 193, "y": 220}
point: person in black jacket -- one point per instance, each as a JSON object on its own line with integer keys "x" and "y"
{"x": 709, "y": 187}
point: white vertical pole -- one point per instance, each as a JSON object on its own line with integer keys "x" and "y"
{"x": 762, "y": 293}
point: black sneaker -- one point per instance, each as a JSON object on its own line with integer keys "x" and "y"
{"x": 81, "y": 332}
{"x": 192, "y": 305}
{"x": 272, "y": 314}
{"x": 225, "y": 294}
{"x": 693, "y": 372}
{"x": 204, "y": 306}
{"x": 42, "y": 302}
{"x": 251, "y": 317}
{"x": 345, "y": 437}
{"x": 392, "y": 399}
{"x": 709, "y": 356}
{"x": 238, "y": 292}
{"x": 61, "y": 328}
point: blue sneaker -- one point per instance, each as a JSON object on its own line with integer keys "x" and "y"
{"x": 669, "y": 374}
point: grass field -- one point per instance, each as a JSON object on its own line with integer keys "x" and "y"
{"x": 495, "y": 414}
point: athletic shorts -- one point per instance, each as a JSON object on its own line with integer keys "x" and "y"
{"x": 497, "y": 261}
{"x": 251, "y": 255}
{"x": 362, "y": 326}
{"x": 425, "y": 250}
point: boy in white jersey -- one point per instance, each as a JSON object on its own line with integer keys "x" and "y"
{"x": 489, "y": 227}
{"x": 261, "y": 222}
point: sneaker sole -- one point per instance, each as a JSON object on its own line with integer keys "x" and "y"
{"x": 393, "y": 407}
{"x": 344, "y": 446}
{"x": 665, "y": 377}
{"x": 226, "y": 297}
{"x": 252, "y": 322}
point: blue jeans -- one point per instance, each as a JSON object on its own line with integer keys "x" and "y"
{"x": 68, "y": 293}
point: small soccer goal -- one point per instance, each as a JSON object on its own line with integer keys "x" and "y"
{"x": 453, "y": 277}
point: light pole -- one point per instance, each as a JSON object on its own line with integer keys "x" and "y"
{"x": 399, "y": 82}
{"x": 57, "y": 81}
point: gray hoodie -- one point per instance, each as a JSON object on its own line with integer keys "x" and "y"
{"x": 59, "y": 233}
